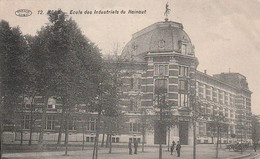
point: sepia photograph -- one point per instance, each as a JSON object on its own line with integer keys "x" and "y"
{"x": 129, "y": 79}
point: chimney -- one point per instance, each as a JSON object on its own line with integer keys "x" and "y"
{"x": 205, "y": 71}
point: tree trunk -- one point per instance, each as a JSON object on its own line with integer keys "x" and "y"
{"x": 217, "y": 142}
{"x": 31, "y": 130}
{"x": 143, "y": 141}
{"x": 1, "y": 137}
{"x": 143, "y": 129}
{"x": 241, "y": 141}
{"x": 160, "y": 142}
{"x": 95, "y": 150}
{"x": 194, "y": 137}
{"x": 220, "y": 138}
{"x": 110, "y": 143}
{"x": 21, "y": 130}
{"x": 107, "y": 140}
{"x": 169, "y": 140}
{"x": 40, "y": 142}
{"x": 83, "y": 135}
{"x": 67, "y": 133}
{"x": 31, "y": 124}
{"x": 110, "y": 135}
{"x": 103, "y": 137}
{"x": 227, "y": 133}
{"x": 61, "y": 129}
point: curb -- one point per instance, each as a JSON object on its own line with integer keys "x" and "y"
{"x": 237, "y": 157}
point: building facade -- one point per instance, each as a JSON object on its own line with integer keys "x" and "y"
{"x": 160, "y": 55}
{"x": 163, "y": 55}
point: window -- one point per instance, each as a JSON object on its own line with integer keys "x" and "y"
{"x": 134, "y": 127}
{"x": 231, "y": 99}
{"x": 226, "y": 112}
{"x": 26, "y": 122}
{"x": 183, "y": 49}
{"x": 204, "y": 90}
{"x": 51, "y": 103}
{"x": 132, "y": 83}
{"x": 90, "y": 139}
{"x": 208, "y": 93}
{"x": 50, "y": 123}
{"x": 115, "y": 139}
{"x": 51, "y": 106}
{"x": 248, "y": 102}
{"x": 161, "y": 84}
{"x": 92, "y": 125}
{"x": 183, "y": 85}
{"x": 133, "y": 105}
{"x": 183, "y": 71}
{"x": 72, "y": 124}
{"x": 38, "y": 100}
{"x": 211, "y": 93}
{"x": 244, "y": 102}
{"x": 226, "y": 98}
{"x": 135, "y": 83}
{"x": 208, "y": 110}
{"x": 139, "y": 83}
{"x": 134, "y": 46}
{"x": 201, "y": 90}
{"x": 134, "y": 139}
{"x": 214, "y": 94}
{"x": 161, "y": 70}
{"x": 231, "y": 114}
{"x": 183, "y": 100}
{"x": 161, "y": 44}
{"x": 220, "y": 95}
{"x": 27, "y": 106}
{"x": 202, "y": 128}
{"x": 221, "y": 112}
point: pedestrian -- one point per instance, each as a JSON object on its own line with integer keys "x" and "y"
{"x": 130, "y": 147}
{"x": 178, "y": 149}
{"x": 255, "y": 146}
{"x": 135, "y": 145}
{"x": 172, "y": 146}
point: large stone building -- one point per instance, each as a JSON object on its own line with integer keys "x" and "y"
{"x": 162, "y": 55}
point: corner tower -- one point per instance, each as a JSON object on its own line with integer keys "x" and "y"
{"x": 167, "y": 55}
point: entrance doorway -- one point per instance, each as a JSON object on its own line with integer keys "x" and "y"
{"x": 183, "y": 132}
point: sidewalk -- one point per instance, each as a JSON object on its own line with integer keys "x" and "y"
{"x": 203, "y": 152}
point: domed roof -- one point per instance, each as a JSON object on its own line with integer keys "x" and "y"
{"x": 161, "y": 37}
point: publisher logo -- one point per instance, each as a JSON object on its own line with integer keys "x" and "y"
{"x": 23, "y": 12}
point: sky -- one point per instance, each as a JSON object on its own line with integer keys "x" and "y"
{"x": 225, "y": 33}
